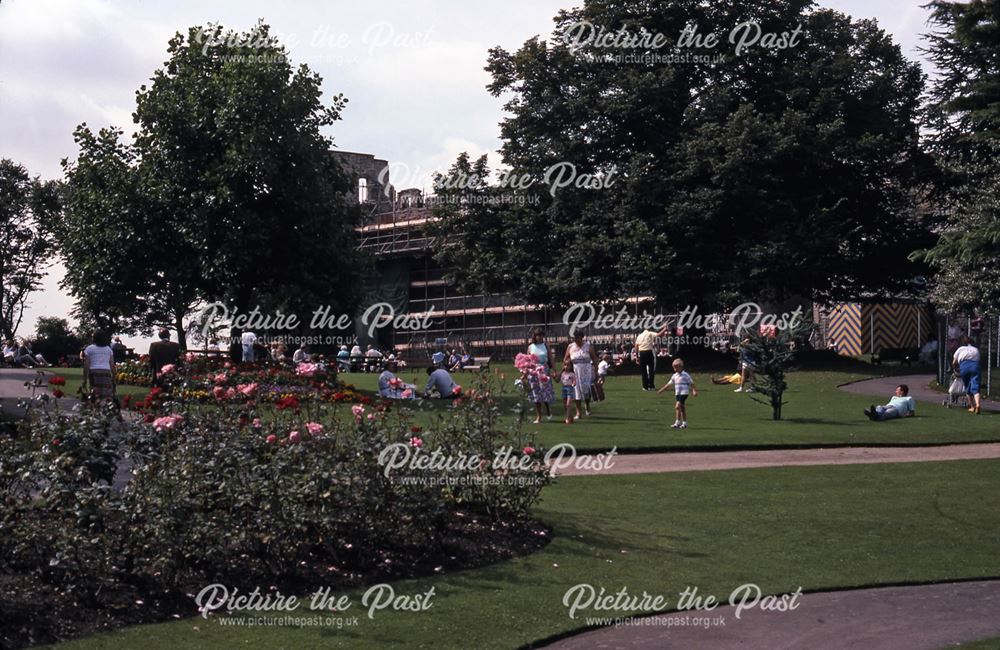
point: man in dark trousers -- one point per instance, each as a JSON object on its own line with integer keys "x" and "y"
{"x": 163, "y": 352}
{"x": 645, "y": 344}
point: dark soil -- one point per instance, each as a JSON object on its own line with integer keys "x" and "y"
{"x": 33, "y": 612}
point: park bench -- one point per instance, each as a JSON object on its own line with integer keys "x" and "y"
{"x": 478, "y": 363}
{"x": 903, "y": 355}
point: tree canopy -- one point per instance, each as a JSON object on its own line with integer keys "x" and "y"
{"x": 29, "y": 211}
{"x": 767, "y": 174}
{"x": 963, "y": 126}
{"x": 229, "y": 190}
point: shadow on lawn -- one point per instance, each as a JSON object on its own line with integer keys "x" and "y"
{"x": 838, "y": 423}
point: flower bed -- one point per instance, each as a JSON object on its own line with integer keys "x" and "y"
{"x": 201, "y": 379}
{"x": 218, "y": 495}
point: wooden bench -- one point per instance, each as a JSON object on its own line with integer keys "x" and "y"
{"x": 479, "y": 363}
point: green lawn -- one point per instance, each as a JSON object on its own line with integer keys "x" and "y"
{"x": 780, "y": 528}
{"x": 817, "y": 414}
{"x": 74, "y": 378}
{"x": 985, "y": 644}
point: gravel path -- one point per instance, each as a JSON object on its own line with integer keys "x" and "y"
{"x": 925, "y": 617}
{"x": 716, "y": 460}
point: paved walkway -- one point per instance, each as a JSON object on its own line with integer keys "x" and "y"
{"x": 884, "y": 388}
{"x": 13, "y": 390}
{"x": 716, "y": 460}
{"x": 926, "y": 617}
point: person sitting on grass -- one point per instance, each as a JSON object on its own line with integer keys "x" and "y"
{"x": 24, "y": 356}
{"x": 900, "y": 406}
{"x": 392, "y": 387}
{"x": 683, "y": 386}
{"x": 9, "y": 352}
{"x": 736, "y": 378}
{"x": 439, "y": 379}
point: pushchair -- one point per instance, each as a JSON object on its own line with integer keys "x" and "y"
{"x": 956, "y": 393}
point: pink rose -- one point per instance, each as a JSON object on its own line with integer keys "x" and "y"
{"x": 231, "y": 393}
{"x": 221, "y": 378}
{"x": 294, "y": 436}
{"x": 219, "y": 392}
{"x": 526, "y": 363}
{"x": 769, "y": 331}
{"x": 190, "y": 356}
{"x": 457, "y": 390}
{"x": 167, "y": 369}
{"x": 314, "y": 428}
{"x": 416, "y": 442}
{"x": 247, "y": 389}
{"x": 528, "y": 451}
{"x": 256, "y": 423}
{"x": 271, "y": 439}
{"x": 168, "y": 422}
{"x": 406, "y": 394}
{"x": 357, "y": 410}
{"x": 306, "y": 369}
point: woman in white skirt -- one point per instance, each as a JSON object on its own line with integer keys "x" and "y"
{"x": 581, "y": 354}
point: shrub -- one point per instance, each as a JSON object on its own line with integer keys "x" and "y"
{"x": 215, "y": 493}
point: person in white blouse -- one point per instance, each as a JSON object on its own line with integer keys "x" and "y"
{"x": 965, "y": 362}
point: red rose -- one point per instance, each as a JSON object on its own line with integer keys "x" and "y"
{"x": 57, "y": 393}
{"x": 416, "y": 428}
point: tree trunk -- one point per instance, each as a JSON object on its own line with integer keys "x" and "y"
{"x": 179, "y": 326}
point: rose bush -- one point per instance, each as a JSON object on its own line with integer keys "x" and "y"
{"x": 193, "y": 494}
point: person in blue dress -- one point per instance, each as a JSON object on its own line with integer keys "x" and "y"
{"x": 542, "y": 392}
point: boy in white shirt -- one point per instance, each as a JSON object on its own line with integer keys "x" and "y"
{"x": 602, "y": 373}
{"x": 683, "y": 386}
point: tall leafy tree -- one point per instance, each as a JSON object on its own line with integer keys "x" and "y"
{"x": 29, "y": 210}
{"x": 963, "y": 125}
{"x": 108, "y": 270}
{"x": 237, "y": 194}
{"x": 764, "y": 174}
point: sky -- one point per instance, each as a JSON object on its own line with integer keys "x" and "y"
{"x": 412, "y": 72}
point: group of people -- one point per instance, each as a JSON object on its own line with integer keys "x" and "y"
{"x": 21, "y": 354}
{"x": 453, "y": 360}
{"x": 582, "y": 375}
{"x": 440, "y": 384}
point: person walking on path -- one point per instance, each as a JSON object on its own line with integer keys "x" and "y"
{"x": 645, "y": 343}
{"x": 581, "y": 354}
{"x": 966, "y": 363}
{"x": 542, "y": 392}
{"x": 99, "y": 366}
{"x": 683, "y": 386}
{"x": 901, "y": 405}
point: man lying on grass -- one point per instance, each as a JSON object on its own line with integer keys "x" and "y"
{"x": 900, "y": 406}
